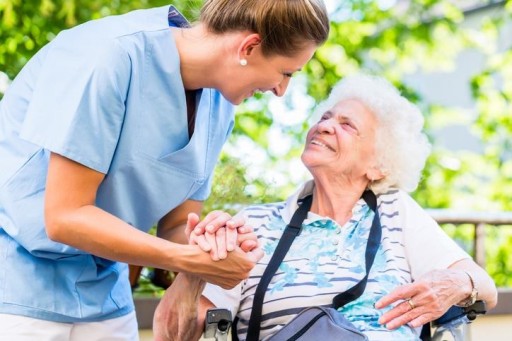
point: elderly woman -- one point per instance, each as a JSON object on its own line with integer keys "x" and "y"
{"x": 368, "y": 137}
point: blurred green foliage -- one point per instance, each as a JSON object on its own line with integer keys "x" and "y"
{"x": 394, "y": 41}
{"x": 28, "y": 25}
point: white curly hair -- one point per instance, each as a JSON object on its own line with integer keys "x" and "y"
{"x": 401, "y": 145}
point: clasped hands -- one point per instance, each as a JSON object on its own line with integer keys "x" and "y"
{"x": 219, "y": 233}
{"x": 233, "y": 251}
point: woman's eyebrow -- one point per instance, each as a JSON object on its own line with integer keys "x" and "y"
{"x": 350, "y": 119}
{"x": 348, "y": 115}
{"x": 344, "y": 116}
{"x": 328, "y": 112}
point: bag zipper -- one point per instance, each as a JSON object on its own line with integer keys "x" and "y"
{"x": 307, "y": 326}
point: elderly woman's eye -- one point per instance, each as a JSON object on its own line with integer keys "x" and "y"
{"x": 348, "y": 126}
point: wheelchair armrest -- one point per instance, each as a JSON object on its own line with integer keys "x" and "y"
{"x": 452, "y": 315}
{"x": 477, "y": 308}
{"x": 217, "y": 325}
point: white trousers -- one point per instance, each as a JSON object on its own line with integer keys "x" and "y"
{"x": 22, "y": 328}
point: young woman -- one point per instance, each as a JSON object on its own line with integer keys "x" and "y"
{"x": 114, "y": 126}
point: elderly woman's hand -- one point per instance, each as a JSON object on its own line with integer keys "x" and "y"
{"x": 219, "y": 233}
{"x": 424, "y": 300}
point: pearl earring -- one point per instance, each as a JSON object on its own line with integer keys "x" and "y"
{"x": 243, "y": 62}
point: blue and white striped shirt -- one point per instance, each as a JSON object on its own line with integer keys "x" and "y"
{"x": 326, "y": 259}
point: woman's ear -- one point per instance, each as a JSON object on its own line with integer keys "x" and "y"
{"x": 374, "y": 174}
{"x": 247, "y": 45}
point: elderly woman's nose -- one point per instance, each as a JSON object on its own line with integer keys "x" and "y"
{"x": 326, "y": 125}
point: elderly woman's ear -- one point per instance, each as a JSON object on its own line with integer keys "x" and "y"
{"x": 374, "y": 174}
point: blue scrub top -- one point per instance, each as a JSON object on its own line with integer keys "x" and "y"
{"x": 109, "y": 95}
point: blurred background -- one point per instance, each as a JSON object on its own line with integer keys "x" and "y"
{"x": 451, "y": 57}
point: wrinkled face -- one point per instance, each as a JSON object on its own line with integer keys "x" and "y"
{"x": 263, "y": 74}
{"x": 342, "y": 142}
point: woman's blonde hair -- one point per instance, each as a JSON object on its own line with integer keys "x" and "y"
{"x": 285, "y": 26}
{"x": 401, "y": 146}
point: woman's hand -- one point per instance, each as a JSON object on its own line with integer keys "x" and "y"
{"x": 203, "y": 232}
{"x": 176, "y": 316}
{"x": 225, "y": 273}
{"x": 426, "y": 299}
{"x": 219, "y": 234}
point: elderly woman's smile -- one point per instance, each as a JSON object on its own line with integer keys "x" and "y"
{"x": 321, "y": 144}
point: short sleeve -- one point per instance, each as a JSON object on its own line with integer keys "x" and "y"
{"x": 427, "y": 246}
{"x": 78, "y": 104}
{"x": 204, "y": 191}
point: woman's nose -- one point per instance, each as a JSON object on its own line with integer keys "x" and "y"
{"x": 326, "y": 126}
{"x": 280, "y": 89}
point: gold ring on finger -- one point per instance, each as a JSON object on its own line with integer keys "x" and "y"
{"x": 411, "y": 303}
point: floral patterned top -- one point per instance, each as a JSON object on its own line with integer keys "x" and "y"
{"x": 326, "y": 259}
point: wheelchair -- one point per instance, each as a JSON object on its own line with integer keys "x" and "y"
{"x": 452, "y": 326}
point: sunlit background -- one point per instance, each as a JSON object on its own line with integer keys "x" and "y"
{"x": 452, "y": 58}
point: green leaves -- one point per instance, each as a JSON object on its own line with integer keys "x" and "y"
{"x": 394, "y": 41}
{"x": 25, "y": 26}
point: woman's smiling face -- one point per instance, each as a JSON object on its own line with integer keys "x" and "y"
{"x": 342, "y": 141}
{"x": 263, "y": 74}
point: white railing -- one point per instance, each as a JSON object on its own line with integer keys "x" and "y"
{"x": 479, "y": 220}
